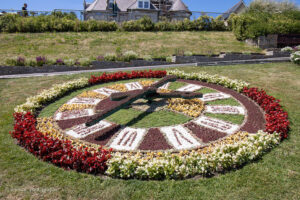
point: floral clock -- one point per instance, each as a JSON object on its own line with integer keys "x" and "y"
{"x": 219, "y": 125}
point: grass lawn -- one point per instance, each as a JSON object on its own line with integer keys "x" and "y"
{"x": 275, "y": 176}
{"x": 84, "y": 45}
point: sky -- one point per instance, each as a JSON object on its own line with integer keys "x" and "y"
{"x": 49, "y": 5}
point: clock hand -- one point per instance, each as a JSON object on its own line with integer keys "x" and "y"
{"x": 114, "y": 106}
{"x": 150, "y": 89}
{"x": 163, "y": 81}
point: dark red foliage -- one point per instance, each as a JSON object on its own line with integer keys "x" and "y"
{"x": 276, "y": 117}
{"x": 125, "y": 76}
{"x": 58, "y": 152}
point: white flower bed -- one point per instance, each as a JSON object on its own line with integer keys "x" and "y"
{"x": 172, "y": 166}
{"x": 35, "y": 102}
{"x": 287, "y": 49}
{"x": 295, "y": 57}
{"x": 237, "y": 85}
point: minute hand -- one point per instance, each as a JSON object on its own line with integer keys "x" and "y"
{"x": 114, "y": 106}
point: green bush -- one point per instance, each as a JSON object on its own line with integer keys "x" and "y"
{"x": 110, "y": 57}
{"x": 148, "y": 58}
{"x": 169, "y": 59}
{"x": 61, "y": 22}
{"x": 218, "y": 24}
{"x": 252, "y": 25}
{"x": 265, "y": 17}
{"x": 129, "y": 55}
{"x": 164, "y": 26}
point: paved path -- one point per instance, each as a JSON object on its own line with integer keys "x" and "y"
{"x": 234, "y": 62}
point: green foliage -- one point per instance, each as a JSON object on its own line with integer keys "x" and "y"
{"x": 143, "y": 24}
{"x": 147, "y": 57}
{"x": 169, "y": 59}
{"x": 203, "y": 23}
{"x": 129, "y": 55}
{"x": 271, "y": 6}
{"x": 265, "y": 17}
{"x": 218, "y": 24}
{"x": 164, "y": 26}
{"x": 64, "y": 22}
{"x": 110, "y": 57}
{"x": 56, "y": 22}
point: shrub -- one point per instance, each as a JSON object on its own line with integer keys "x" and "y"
{"x": 263, "y": 19}
{"x": 146, "y": 24}
{"x": 60, "y": 62}
{"x": 63, "y": 22}
{"x": 100, "y": 58}
{"x": 19, "y": 61}
{"x": 148, "y": 58}
{"x": 69, "y": 62}
{"x": 40, "y": 61}
{"x": 164, "y": 26}
{"x": 271, "y": 6}
{"x": 287, "y": 49}
{"x": 295, "y": 57}
{"x": 130, "y": 26}
{"x": 169, "y": 59}
{"x": 203, "y": 23}
{"x": 110, "y": 57}
{"x": 188, "y": 53}
{"x": 217, "y": 24}
{"x": 83, "y": 62}
{"x": 129, "y": 55}
{"x": 143, "y": 24}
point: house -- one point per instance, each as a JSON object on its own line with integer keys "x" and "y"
{"x": 237, "y": 9}
{"x": 125, "y": 10}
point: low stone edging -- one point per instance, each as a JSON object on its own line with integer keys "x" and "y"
{"x": 200, "y": 60}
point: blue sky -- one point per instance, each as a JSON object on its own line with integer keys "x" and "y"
{"x": 46, "y": 5}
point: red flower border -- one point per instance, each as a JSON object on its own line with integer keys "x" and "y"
{"x": 104, "y": 78}
{"x": 276, "y": 117}
{"x": 62, "y": 153}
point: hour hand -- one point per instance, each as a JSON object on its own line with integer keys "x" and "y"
{"x": 165, "y": 80}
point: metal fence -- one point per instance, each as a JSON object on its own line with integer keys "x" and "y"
{"x": 80, "y": 13}
{"x": 197, "y": 14}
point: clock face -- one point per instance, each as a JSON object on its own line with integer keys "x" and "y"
{"x": 161, "y": 124}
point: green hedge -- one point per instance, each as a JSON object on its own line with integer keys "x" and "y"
{"x": 254, "y": 24}
{"x": 58, "y": 22}
{"x": 51, "y": 23}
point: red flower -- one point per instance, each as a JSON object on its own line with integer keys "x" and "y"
{"x": 58, "y": 152}
{"x": 125, "y": 76}
{"x": 276, "y": 117}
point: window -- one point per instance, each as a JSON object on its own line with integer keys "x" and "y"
{"x": 144, "y": 4}
{"x": 111, "y": 4}
{"x": 141, "y": 4}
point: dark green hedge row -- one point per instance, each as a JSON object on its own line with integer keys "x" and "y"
{"x": 54, "y": 23}
{"x": 254, "y": 24}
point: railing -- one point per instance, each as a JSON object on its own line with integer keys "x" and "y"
{"x": 80, "y": 13}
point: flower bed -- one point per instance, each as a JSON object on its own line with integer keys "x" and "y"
{"x": 104, "y": 78}
{"x": 226, "y": 154}
{"x": 295, "y": 57}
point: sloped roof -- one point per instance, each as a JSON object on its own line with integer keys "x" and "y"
{"x": 178, "y": 5}
{"x": 233, "y": 9}
{"x": 97, "y": 5}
